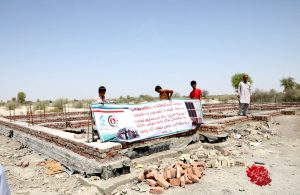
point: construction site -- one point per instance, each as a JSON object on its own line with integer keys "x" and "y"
{"x": 222, "y": 141}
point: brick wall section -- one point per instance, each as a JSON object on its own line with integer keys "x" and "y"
{"x": 48, "y": 120}
{"x": 288, "y": 112}
{"x": 71, "y": 124}
{"x": 212, "y": 128}
{"x": 60, "y": 114}
{"x": 79, "y": 148}
{"x": 216, "y": 116}
{"x": 261, "y": 117}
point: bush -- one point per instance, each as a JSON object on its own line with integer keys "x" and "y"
{"x": 81, "y": 103}
{"x": 40, "y": 105}
{"x": 55, "y": 110}
{"x": 135, "y": 100}
{"x": 59, "y": 104}
{"x": 11, "y": 105}
{"x": 226, "y": 98}
{"x": 260, "y": 96}
{"x": 292, "y": 96}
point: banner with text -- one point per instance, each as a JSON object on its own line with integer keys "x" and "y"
{"x": 128, "y": 123}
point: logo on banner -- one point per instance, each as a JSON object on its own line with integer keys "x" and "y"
{"x": 112, "y": 120}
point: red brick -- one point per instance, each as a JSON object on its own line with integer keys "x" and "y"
{"x": 141, "y": 177}
{"x": 186, "y": 179}
{"x": 198, "y": 164}
{"x": 150, "y": 175}
{"x": 168, "y": 174}
{"x": 173, "y": 172}
{"x": 183, "y": 172}
{"x": 157, "y": 190}
{"x": 193, "y": 178}
{"x": 163, "y": 183}
{"x": 179, "y": 163}
{"x": 197, "y": 172}
{"x": 178, "y": 171}
{"x": 186, "y": 166}
{"x": 156, "y": 175}
{"x": 182, "y": 181}
{"x": 175, "y": 181}
{"x": 151, "y": 182}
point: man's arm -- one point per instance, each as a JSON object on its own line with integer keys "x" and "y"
{"x": 200, "y": 95}
{"x": 170, "y": 92}
{"x": 250, "y": 89}
{"x": 239, "y": 90}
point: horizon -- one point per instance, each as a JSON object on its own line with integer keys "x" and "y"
{"x": 54, "y": 49}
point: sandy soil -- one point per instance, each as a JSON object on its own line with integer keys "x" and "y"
{"x": 33, "y": 179}
{"x": 280, "y": 155}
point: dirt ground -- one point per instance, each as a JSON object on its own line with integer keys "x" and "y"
{"x": 280, "y": 153}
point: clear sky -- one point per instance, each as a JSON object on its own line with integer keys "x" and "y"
{"x": 68, "y": 48}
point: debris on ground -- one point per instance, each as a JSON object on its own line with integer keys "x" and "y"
{"x": 53, "y": 167}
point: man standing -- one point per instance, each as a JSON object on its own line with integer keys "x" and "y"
{"x": 244, "y": 94}
{"x": 196, "y": 93}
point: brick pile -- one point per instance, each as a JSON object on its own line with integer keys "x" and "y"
{"x": 179, "y": 174}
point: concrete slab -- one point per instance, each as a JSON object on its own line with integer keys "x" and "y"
{"x": 107, "y": 186}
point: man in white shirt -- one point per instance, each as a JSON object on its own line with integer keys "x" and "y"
{"x": 244, "y": 95}
{"x": 100, "y": 99}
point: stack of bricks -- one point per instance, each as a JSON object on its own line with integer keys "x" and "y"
{"x": 179, "y": 174}
{"x": 100, "y": 155}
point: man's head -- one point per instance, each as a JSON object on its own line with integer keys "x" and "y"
{"x": 102, "y": 91}
{"x": 158, "y": 88}
{"x": 193, "y": 84}
{"x": 245, "y": 78}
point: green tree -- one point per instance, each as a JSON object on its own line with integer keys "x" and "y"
{"x": 288, "y": 83}
{"x": 21, "y": 97}
{"x": 237, "y": 78}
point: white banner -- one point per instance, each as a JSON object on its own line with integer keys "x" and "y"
{"x": 137, "y": 122}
